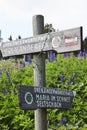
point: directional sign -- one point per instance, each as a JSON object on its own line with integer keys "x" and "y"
{"x": 63, "y": 41}
{"x": 42, "y": 97}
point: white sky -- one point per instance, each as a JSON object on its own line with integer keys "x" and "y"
{"x": 16, "y": 15}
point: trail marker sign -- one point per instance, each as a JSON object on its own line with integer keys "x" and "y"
{"x": 62, "y": 41}
{"x": 43, "y": 97}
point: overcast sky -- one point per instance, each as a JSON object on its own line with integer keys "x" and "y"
{"x": 16, "y": 15}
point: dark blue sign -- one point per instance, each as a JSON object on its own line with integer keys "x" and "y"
{"x": 42, "y": 97}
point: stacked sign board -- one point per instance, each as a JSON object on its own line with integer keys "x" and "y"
{"x": 43, "y": 97}
{"x": 62, "y": 41}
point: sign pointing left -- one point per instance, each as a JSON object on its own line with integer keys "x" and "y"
{"x": 62, "y": 41}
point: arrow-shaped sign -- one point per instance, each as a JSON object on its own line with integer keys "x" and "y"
{"x": 62, "y": 41}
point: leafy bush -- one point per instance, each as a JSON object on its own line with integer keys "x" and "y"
{"x": 69, "y": 73}
{"x": 64, "y": 73}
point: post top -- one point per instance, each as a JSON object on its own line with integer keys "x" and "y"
{"x": 38, "y": 15}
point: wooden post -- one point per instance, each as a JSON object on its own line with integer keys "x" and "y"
{"x": 39, "y": 73}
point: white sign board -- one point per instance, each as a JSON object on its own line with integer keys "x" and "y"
{"x": 62, "y": 41}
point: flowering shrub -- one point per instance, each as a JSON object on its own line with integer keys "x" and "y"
{"x": 69, "y": 73}
{"x": 11, "y": 76}
{"x": 66, "y": 72}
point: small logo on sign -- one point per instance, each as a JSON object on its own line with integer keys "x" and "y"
{"x": 28, "y": 98}
{"x": 56, "y": 42}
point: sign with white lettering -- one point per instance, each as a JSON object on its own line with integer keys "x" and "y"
{"x": 62, "y": 41}
{"x": 42, "y": 97}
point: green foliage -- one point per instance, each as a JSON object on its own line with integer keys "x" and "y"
{"x": 74, "y": 77}
{"x": 11, "y": 117}
{"x": 48, "y": 28}
{"x": 76, "y": 118}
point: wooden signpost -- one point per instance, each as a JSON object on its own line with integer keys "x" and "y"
{"x": 39, "y": 98}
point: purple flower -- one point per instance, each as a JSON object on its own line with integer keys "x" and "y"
{"x": 63, "y": 121}
{"x": 22, "y": 63}
{"x": 80, "y": 54}
{"x": 28, "y": 58}
{"x": 66, "y": 54}
{"x": 61, "y": 78}
{"x": 74, "y": 76}
{"x": 84, "y": 52}
{"x": 54, "y": 56}
{"x": 51, "y": 55}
